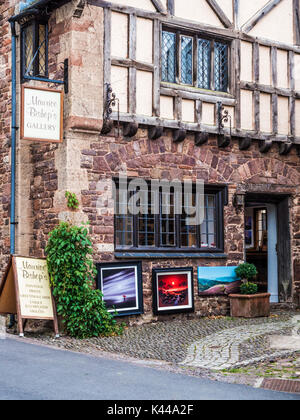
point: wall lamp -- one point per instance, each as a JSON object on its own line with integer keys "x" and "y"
{"x": 239, "y": 200}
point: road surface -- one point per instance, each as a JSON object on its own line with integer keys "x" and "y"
{"x": 32, "y": 372}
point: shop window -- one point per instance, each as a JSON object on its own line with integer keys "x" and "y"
{"x": 202, "y": 63}
{"x": 34, "y": 49}
{"x": 165, "y": 229}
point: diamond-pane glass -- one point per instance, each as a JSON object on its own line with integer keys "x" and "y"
{"x": 29, "y": 49}
{"x": 42, "y": 50}
{"x": 186, "y": 60}
{"x": 221, "y": 67}
{"x": 168, "y": 57}
{"x": 204, "y": 57}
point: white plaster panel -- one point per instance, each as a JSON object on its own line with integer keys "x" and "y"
{"x": 227, "y": 7}
{"x": 265, "y": 66}
{"x": 277, "y": 25}
{"x": 119, "y": 83}
{"x": 119, "y": 39}
{"x": 297, "y": 114}
{"x": 247, "y": 112}
{"x": 208, "y": 113}
{"x": 167, "y": 107}
{"x": 248, "y": 9}
{"x": 265, "y": 113}
{"x": 197, "y": 10}
{"x": 144, "y": 45}
{"x": 297, "y": 71}
{"x": 144, "y": 93}
{"x": 138, "y": 4}
{"x": 246, "y": 61}
{"x": 282, "y": 69}
{"x": 188, "y": 110}
{"x": 283, "y": 115}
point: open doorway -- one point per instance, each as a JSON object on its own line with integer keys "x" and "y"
{"x": 267, "y": 243}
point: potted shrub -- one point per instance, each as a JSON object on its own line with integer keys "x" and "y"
{"x": 249, "y": 303}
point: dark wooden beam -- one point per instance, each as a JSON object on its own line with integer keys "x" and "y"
{"x": 155, "y": 133}
{"x": 260, "y": 15}
{"x": 171, "y": 7}
{"x": 130, "y": 129}
{"x": 285, "y": 148}
{"x": 159, "y": 6}
{"x": 223, "y": 140}
{"x": 219, "y": 12}
{"x": 179, "y": 135}
{"x": 245, "y": 143}
{"x": 201, "y": 138}
{"x": 296, "y": 22}
{"x": 265, "y": 145}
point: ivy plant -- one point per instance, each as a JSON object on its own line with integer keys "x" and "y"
{"x": 72, "y": 273}
{"x": 72, "y": 200}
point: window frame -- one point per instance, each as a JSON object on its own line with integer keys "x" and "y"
{"x": 221, "y": 199}
{"x": 35, "y": 22}
{"x": 198, "y": 35}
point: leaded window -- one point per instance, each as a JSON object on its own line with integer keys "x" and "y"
{"x": 165, "y": 229}
{"x": 169, "y": 57}
{"x": 34, "y": 49}
{"x": 195, "y": 61}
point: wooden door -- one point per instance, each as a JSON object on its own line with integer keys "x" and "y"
{"x": 284, "y": 251}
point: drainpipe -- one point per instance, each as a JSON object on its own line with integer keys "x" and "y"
{"x": 13, "y": 149}
{"x": 13, "y": 140}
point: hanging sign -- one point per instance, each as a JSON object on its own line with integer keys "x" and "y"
{"x": 41, "y": 114}
{"x": 25, "y": 291}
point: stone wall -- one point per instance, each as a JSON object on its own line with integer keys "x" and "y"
{"x": 103, "y": 158}
{"x": 6, "y": 10}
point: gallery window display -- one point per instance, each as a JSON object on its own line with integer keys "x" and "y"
{"x": 161, "y": 227}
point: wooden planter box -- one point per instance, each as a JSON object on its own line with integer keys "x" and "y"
{"x": 250, "y": 306}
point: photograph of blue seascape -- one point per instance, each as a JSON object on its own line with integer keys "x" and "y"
{"x": 217, "y": 281}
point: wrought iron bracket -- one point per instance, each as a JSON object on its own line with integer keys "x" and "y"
{"x": 111, "y": 100}
{"x": 223, "y": 117}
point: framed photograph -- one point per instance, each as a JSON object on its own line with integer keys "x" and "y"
{"x": 218, "y": 281}
{"x": 173, "y": 290}
{"x": 122, "y": 287}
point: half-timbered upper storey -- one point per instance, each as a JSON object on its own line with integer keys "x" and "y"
{"x": 181, "y": 63}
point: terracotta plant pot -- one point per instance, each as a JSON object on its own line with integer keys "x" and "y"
{"x": 250, "y": 306}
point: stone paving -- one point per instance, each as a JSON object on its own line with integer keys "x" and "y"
{"x": 222, "y": 350}
{"x": 205, "y": 343}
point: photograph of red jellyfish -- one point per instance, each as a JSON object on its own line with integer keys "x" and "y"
{"x": 173, "y": 290}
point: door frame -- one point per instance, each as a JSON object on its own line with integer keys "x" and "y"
{"x": 284, "y": 251}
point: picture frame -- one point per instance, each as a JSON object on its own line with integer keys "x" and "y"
{"x": 217, "y": 281}
{"x": 173, "y": 290}
{"x": 122, "y": 286}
